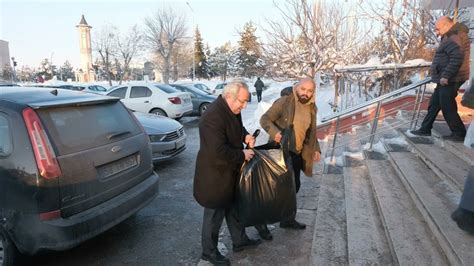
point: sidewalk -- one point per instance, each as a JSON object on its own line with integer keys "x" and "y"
{"x": 288, "y": 247}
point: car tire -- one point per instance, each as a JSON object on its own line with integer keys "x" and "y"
{"x": 203, "y": 108}
{"x": 8, "y": 251}
{"x": 158, "y": 111}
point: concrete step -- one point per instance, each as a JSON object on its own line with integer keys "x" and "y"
{"x": 411, "y": 240}
{"x": 367, "y": 242}
{"x": 444, "y": 163}
{"x": 458, "y": 148}
{"x": 435, "y": 199}
{"x": 330, "y": 235}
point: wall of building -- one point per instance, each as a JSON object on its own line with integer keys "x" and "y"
{"x": 4, "y": 55}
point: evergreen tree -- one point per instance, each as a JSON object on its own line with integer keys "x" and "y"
{"x": 66, "y": 71}
{"x": 222, "y": 60}
{"x": 250, "y": 52}
{"x": 45, "y": 70}
{"x": 200, "y": 59}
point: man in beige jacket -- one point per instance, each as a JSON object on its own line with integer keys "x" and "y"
{"x": 297, "y": 109}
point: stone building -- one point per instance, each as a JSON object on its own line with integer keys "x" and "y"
{"x": 86, "y": 72}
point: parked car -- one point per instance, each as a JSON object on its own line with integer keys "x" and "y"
{"x": 72, "y": 165}
{"x": 159, "y": 99}
{"x": 199, "y": 98}
{"x": 220, "y": 87}
{"x": 167, "y": 136}
{"x": 97, "y": 89}
{"x": 92, "y": 88}
{"x": 201, "y": 86}
{"x": 8, "y": 84}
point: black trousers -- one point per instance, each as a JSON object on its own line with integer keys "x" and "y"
{"x": 211, "y": 224}
{"x": 259, "y": 95}
{"x": 444, "y": 99}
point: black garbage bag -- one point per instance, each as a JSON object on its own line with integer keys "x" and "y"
{"x": 266, "y": 188}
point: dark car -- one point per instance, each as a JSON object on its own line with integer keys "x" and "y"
{"x": 72, "y": 165}
{"x": 200, "y": 99}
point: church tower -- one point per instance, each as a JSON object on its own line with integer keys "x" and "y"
{"x": 86, "y": 73}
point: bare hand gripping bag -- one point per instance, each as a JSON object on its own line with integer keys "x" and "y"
{"x": 265, "y": 192}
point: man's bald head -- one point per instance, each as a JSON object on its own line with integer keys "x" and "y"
{"x": 443, "y": 25}
{"x": 305, "y": 89}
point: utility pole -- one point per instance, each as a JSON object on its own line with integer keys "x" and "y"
{"x": 14, "y": 70}
{"x": 194, "y": 43}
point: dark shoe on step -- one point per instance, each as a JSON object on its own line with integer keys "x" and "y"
{"x": 293, "y": 225}
{"x": 263, "y": 232}
{"x": 216, "y": 259}
{"x": 464, "y": 219}
{"x": 250, "y": 243}
{"x": 454, "y": 137}
{"x": 420, "y": 132}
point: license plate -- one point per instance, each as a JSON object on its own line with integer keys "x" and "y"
{"x": 180, "y": 143}
{"x": 118, "y": 166}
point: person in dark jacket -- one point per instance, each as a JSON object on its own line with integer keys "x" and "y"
{"x": 299, "y": 110}
{"x": 449, "y": 69}
{"x": 464, "y": 214}
{"x": 220, "y": 157}
{"x": 259, "y": 88}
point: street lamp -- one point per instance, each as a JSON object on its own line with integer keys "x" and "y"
{"x": 194, "y": 43}
{"x": 14, "y": 71}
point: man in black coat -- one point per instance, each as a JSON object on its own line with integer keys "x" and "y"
{"x": 259, "y": 88}
{"x": 450, "y": 68}
{"x": 218, "y": 164}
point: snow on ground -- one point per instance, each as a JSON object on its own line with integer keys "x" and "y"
{"x": 377, "y": 147}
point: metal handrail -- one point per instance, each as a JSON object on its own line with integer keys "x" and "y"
{"x": 376, "y": 100}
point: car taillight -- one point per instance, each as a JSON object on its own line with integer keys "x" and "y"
{"x": 45, "y": 158}
{"x": 52, "y": 215}
{"x": 175, "y": 100}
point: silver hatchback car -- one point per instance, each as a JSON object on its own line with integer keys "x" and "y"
{"x": 167, "y": 136}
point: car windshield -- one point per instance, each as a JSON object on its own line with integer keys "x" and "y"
{"x": 200, "y": 91}
{"x": 166, "y": 88}
{"x": 76, "y": 128}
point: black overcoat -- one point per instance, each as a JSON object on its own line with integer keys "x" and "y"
{"x": 220, "y": 155}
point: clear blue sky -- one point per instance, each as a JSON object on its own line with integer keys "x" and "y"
{"x": 38, "y": 29}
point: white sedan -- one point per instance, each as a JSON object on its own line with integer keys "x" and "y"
{"x": 154, "y": 98}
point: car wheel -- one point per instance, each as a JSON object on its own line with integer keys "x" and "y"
{"x": 203, "y": 108}
{"x": 158, "y": 112}
{"x": 7, "y": 250}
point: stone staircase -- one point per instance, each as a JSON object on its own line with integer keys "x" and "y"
{"x": 392, "y": 205}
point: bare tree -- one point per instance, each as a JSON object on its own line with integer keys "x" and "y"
{"x": 311, "y": 37}
{"x": 161, "y": 34}
{"x": 105, "y": 45}
{"x": 128, "y": 46}
{"x": 407, "y": 28}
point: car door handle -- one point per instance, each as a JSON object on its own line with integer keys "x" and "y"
{"x": 146, "y": 102}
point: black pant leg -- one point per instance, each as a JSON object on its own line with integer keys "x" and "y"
{"x": 297, "y": 162}
{"x": 433, "y": 110}
{"x": 236, "y": 230}
{"x": 211, "y": 224}
{"x": 449, "y": 107}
